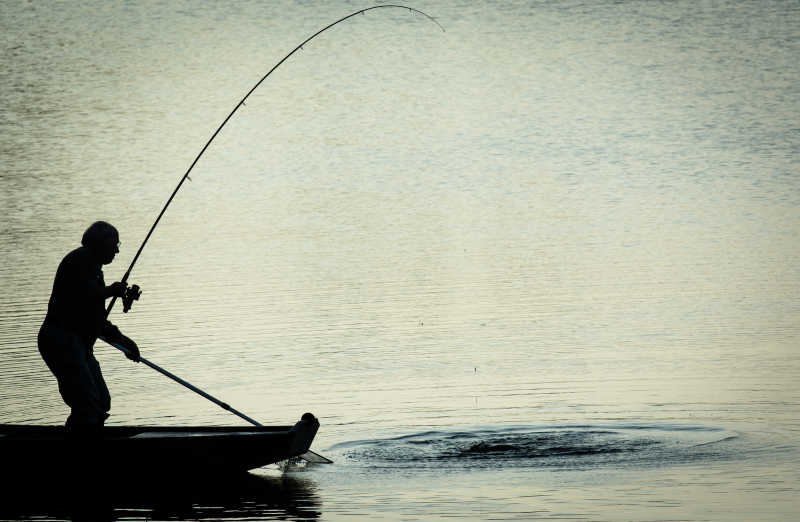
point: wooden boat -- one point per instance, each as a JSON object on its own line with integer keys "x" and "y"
{"x": 144, "y": 451}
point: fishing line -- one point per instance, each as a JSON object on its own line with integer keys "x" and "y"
{"x": 236, "y": 108}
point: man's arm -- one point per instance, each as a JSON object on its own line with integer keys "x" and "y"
{"x": 112, "y": 333}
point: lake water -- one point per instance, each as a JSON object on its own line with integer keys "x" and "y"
{"x": 542, "y": 265}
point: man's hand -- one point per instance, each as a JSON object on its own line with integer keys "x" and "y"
{"x": 133, "y": 350}
{"x": 116, "y": 289}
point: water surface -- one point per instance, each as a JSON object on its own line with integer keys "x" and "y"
{"x": 541, "y": 265}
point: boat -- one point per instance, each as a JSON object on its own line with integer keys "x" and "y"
{"x": 153, "y": 451}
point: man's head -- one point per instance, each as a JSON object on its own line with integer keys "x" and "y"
{"x": 103, "y": 240}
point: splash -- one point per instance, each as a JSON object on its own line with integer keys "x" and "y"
{"x": 546, "y": 446}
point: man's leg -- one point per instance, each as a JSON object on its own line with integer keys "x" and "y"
{"x": 80, "y": 381}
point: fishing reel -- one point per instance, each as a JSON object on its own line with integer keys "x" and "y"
{"x": 132, "y": 293}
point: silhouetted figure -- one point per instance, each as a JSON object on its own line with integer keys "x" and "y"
{"x": 76, "y": 316}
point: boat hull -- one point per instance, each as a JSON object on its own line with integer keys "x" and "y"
{"x": 152, "y": 451}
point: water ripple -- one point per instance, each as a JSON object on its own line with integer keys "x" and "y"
{"x": 587, "y": 446}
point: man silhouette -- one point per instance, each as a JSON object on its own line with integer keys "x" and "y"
{"x": 76, "y": 317}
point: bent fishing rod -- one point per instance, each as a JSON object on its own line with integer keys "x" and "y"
{"x": 133, "y": 292}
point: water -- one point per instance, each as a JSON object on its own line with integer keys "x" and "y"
{"x": 539, "y": 266}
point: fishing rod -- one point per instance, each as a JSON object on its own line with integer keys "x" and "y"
{"x": 133, "y": 292}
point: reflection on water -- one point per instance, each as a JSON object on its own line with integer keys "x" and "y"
{"x": 251, "y": 496}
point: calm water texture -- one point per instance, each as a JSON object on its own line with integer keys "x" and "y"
{"x": 543, "y": 265}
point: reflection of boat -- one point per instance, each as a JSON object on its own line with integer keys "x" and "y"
{"x": 245, "y": 496}
{"x": 153, "y": 451}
